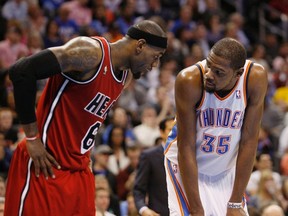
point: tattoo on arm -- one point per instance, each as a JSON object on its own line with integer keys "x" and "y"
{"x": 78, "y": 55}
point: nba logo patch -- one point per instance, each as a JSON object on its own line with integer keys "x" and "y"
{"x": 174, "y": 168}
{"x": 238, "y": 94}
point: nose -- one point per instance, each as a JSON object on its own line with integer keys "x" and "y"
{"x": 209, "y": 74}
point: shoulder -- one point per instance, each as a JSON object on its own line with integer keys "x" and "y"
{"x": 84, "y": 42}
{"x": 189, "y": 76}
{"x": 188, "y": 73}
{"x": 189, "y": 80}
{"x": 258, "y": 70}
{"x": 258, "y": 80}
{"x": 151, "y": 150}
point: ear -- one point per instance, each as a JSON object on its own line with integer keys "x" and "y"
{"x": 239, "y": 72}
{"x": 141, "y": 43}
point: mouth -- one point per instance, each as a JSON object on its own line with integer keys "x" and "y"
{"x": 209, "y": 84}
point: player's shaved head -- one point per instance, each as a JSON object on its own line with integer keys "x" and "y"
{"x": 151, "y": 27}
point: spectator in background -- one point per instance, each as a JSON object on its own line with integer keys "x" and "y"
{"x": 214, "y": 27}
{"x": 79, "y": 12}
{"x": 5, "y": 159}
{"x": 280, "y": 66}
{"x": 50, "y": 7}
{"x": 121, "y": 119}
{"x": 7, "y": 127}
{"x": 113, "y": 34}
{"x": 112, "y": 5}
{"x": 185, "y": 24}
{"x": 131, "y": 208}
{"x": 36, "y": 20}
{"x": 265, "y": 144}
{"x": 280, "y": 97}
{"x": 4, "y": 81}
{"x": 34, "y": 42}
{"x": 52, "y": 37}
{"x": 100, "y": 162}
{"x": 2, "y": 187}
{"x": 150, "y": 189}
{"x": 126, "y": 177}
{"x": 148, "y": 130}
{"x": 132, "y": 98}
{"x": 166, "y": 81}
{"x": 101, "y": 19}
{"x": 283, "y": 142}
{"x": 238, "y": 20}
{"x": 155, "y": 8}
{"x": 258, "y": 56}
{"x": 118, "y": 160}
{"x": 284, "y": 163}
{"x": 285, "y": 187}
{"x": 16, "y": 10}
{"x": 272, "y": 210}
{"x": 2, "y": 206}
{"x": 102, "y": 201}
{"x": 271, "y": 44}
{"x": 273, "y": 121}
{"x": 67, "y": 27}
{"x": 11, "y": 49}
{"x": 230, "y": 30}
{"x": 114, "y": 203}
{"x": 267, "y": 192}
{"x": 196, "y": 55}
{"x": 263, "y": 162}
{"x": 126, "y": 16}
{"x": 201, "y": 39}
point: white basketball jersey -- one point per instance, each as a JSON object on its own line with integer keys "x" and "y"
{"x": 219, "y": 122}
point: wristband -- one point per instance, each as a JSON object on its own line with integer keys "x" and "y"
{"x": 234, "y": 205}
{"x": 142, "y": 209}
{"x": 32, "y": 138}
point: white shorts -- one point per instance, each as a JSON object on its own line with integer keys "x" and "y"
{"x": 215, "y": 192}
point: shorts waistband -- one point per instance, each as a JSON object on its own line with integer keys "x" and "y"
{"x": 211, "y": 179}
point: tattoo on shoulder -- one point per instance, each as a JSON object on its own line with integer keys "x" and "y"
{"x": 79, "y": 56}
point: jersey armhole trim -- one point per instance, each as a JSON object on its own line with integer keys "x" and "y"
{"x": 201, "y": 70}
{"x": 245, "y": 84}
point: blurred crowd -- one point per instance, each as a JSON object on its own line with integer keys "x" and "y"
{"x": 193, "y": 26}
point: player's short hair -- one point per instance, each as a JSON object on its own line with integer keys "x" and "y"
{"x": 232, "y": 50}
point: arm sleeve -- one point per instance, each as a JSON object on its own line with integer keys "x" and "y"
{"x": 24, "y": 74}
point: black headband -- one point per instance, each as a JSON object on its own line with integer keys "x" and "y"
{"x": 151, "y": 39}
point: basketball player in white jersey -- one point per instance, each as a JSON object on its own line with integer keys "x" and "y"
{"x": 210, "y": 152}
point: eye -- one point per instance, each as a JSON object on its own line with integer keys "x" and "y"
{"x": 219, "y": 73}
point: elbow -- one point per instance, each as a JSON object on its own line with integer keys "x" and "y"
{"x": 22, "y": 72}
{"x": 14, "y": 72}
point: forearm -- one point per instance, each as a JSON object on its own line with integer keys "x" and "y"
{"x": 189, "y": 174}
{"x": 139, "y": 197}
{"x": 244, "y": 166}
{"x": 31, "y": 129}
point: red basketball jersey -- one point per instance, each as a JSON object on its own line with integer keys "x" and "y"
{"x": 70, "y": 112}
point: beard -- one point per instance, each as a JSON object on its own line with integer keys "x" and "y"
{"x": 209, "y": 88}
{"x": 136, "y": 75}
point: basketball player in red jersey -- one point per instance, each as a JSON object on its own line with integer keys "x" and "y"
{"x": 49, "y": 172}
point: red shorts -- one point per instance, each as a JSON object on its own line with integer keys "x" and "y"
{"x": 70, "y": 193}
